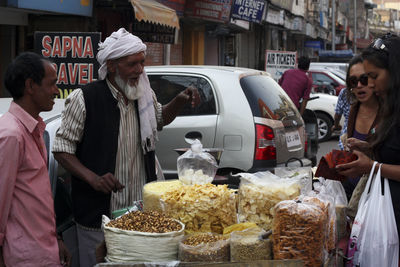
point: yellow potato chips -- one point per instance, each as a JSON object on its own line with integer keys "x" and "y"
{"x": 202, "y": 208}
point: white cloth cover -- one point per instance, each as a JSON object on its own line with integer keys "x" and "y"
{"x": 120, "y": 44}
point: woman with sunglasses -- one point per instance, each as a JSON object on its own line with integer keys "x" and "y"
{"x": 363, "y": 113}
{"x": 382, "y": 65}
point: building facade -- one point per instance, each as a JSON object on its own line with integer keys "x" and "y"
{"x": 210, "y": 32}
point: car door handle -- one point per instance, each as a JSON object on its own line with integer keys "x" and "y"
{"x": 190, "y": 136}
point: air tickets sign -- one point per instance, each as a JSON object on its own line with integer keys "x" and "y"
{"x": 277, "y": 62}
{"x": 73, "y": 55}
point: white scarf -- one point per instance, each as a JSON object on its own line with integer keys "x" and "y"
{"x": 120, "y": 44}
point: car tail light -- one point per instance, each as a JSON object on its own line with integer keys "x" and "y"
{"x": 265, "y": 143}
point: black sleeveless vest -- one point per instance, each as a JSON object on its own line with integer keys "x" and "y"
{"x": 98, "y": 152}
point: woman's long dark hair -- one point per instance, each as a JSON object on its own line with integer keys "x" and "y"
{"x": 388, "y": 58}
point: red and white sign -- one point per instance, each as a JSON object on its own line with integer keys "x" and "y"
{"x": 73, "y": 55}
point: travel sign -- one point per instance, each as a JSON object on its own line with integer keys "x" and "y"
{"x": 73, "y": 55}
{"x": 249, "y": 10}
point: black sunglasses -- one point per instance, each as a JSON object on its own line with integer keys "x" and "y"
{"x": 352, "y": 81}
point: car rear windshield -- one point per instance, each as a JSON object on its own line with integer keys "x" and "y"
{"x": 266, "y": 98}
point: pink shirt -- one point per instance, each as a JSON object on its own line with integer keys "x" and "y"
{"x": 27, "y": 220}
{"x": 297, "y": 84}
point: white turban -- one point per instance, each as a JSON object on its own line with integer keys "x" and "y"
{"x": 119, "y": 44}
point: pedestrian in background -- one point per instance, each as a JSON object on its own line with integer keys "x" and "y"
{"x": 107, "y": 137}
{"x": 297, "y": 83}
{"x": 27, "y": 221}
{"x": 342, "y": 109}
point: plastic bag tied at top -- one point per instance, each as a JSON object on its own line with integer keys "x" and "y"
{"x": 196, "y": 166}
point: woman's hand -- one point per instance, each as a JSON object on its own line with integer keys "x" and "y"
{"x": 360, "y": 166}
{"x": 356, "y": 144}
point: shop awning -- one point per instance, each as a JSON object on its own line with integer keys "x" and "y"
{"x": 154, "y": 12}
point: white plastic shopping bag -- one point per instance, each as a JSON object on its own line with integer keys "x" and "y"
{"x": 374, "y": 239}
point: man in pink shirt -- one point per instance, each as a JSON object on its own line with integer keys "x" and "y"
{"x": 27, "y": 221}
{"x": 297, "y": 84}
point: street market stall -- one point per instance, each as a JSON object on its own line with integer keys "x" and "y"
{"x": 270, "y": 220}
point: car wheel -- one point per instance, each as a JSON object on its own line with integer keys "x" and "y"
{"x": 324, "y": 127}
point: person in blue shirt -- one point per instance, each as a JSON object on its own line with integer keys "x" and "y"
{"x": 342, "y": 108}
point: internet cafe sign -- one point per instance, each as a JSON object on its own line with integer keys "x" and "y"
{"x": 277, "y": 62}
{"x": 73, "y": 55}
{"x": 249, "y": 10}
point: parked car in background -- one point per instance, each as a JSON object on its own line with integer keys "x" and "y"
{"x": 326, "y": 81}
{"x": 332, "y": 65}
{"x": 338, "y": 72}
{"x": 324, "y": 108}
{"x": 243, "y": 111}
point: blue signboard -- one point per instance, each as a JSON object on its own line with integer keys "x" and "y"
{"x": 75, "y": 7}
{"x": 250, "y": 10}
{"x": 313, "y": 44}
{"x": 337, "y": 53}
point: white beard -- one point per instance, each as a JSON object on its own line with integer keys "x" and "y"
{"x": 131, "y": 92}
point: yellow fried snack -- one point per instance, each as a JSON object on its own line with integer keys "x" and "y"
{"x": 239, "y": 227}
{"x": 202, "y": 208}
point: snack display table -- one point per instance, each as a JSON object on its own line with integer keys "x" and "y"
{"x": 264, "y": 263}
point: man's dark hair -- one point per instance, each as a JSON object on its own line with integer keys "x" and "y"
{"x": 26, "y": 65}
{"x": 304, "y": 63}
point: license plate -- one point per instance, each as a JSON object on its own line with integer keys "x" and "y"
{"x": 293, "y": 139}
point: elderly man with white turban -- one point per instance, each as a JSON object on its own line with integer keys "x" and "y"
{"x": 107, "y": 136}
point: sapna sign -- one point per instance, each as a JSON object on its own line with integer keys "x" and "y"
{"x": 73, "y": 55}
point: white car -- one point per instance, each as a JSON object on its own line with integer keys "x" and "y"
{"x": 324, "y": 108}
{"x": 332, "y": 65}
{"x": 243, "y": 111}
{"x": 338, "y": 72}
